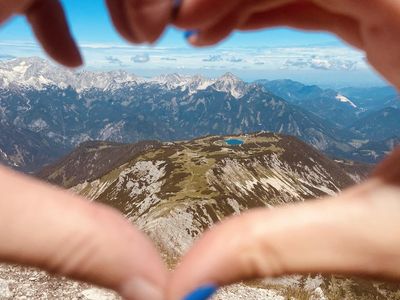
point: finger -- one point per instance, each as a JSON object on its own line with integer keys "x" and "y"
{"x": 366, "y": 10}
{"x": 307, "y": 16}
{"x": 329, "y": 236}
{"x": 353, "y": 8}
{"x": 200, "y": 14}
{"x": 148, "y": 18}
{"x": 257, "y": 5}
{"x": 387, "y": 170}
{"x": 51, "y": 29}
{"x": 120, "y": 19}
{"x": 219, "y": 31}
{"x": 8, "y": 8}
{"x": 51, "y": 229}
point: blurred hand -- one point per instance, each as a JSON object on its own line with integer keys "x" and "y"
{"x": 355, "y": 233}
{"x": 52, "y": 229}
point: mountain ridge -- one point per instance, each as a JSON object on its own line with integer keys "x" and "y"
{"x": 38, "y": 73}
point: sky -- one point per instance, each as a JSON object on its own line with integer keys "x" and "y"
{"x": 317, "y": 58}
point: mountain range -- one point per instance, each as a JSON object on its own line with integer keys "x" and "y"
{"x": 46, "y": 111}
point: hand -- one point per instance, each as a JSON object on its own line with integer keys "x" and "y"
{"x": 52, "y": 229}
{"x": 355, "y": 233}
{"x": 373, "y": 26}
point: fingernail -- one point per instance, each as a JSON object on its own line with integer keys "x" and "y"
{"x": 176, "y": 5}
{"x": 188, "y": 34}
{"x": 202, "y": 293}
{"x": 141, "y": 289}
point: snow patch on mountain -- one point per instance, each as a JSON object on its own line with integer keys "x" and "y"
{"x": 344, "y": 99}
{"x": 148, "y": 185}
{"x": 38, "y": 125}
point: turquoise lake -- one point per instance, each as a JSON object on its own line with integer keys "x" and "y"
{"x": 234, "y": 142}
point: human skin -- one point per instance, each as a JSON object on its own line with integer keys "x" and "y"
{"x": 355, "y": 232}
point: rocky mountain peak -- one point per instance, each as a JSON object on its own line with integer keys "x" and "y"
{"x": 38, "y": 73}
{"x": 231, "y": 84}
{"x": 33, "y": 72}
{"x": 229, "y": 77}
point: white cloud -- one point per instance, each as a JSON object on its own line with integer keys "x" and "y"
{"x": 168, "y": 58}
{"x": 141, "y": 58}
{"x": 213, "y": 58}
{"x": 234, "y": 59}
{"x": 114, "y": 60}
{"x": 322, "y": 63}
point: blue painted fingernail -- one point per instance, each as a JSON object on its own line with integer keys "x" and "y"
{"x": 202, "y": 293}
{"x": 176, "y": 3}
{"x": 188, "y": 34}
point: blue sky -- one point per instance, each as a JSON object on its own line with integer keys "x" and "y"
{"x": 280, "y": 53}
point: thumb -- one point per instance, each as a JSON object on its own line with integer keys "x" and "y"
{"x": 357, "y": 233}
{"x": 57, "y": 231}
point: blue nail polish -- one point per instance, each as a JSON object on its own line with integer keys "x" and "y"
{"x": 190, "y": 33}
{"x": 202, "y": 293}
{"x": 176, "y": 4}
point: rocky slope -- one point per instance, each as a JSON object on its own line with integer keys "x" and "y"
{"x": 378, "y": 126}
{"x": 93, "y": 160}
{"x": 22, "y": 147}
{"x": 325, "y": 103}
{"x": 368, "y": 151}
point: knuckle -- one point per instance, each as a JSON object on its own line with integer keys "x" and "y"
{"x": 147, "y": 6}
{"x": 256, "y": 254}
{"x": 79, "y": 249}
{"x": 259, "y": 258}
